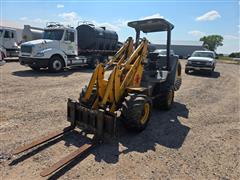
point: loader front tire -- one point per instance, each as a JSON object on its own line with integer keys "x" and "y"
{"x": 136, "y": 112}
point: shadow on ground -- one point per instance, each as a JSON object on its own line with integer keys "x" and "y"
{"x": 164, "y": 129}
{"x": 205, "y": 74}
{"x": 44, "y": 72}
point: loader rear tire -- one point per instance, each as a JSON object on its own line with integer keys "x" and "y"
{"x": 164, "y": 101}
{"x": 178, "y": 78}
{"x": 136, "y": 112}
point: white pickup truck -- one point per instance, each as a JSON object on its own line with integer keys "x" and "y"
{"x": 201, "y": 60}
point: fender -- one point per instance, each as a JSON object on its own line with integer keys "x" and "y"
{"x": 48, "y": 53}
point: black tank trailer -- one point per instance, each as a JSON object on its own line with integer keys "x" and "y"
{"x": 98, "y": 41}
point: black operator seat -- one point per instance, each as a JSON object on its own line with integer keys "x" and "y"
{"x": 157, "y": 60}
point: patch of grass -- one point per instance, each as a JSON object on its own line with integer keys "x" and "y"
{"x": 227, "y": 59}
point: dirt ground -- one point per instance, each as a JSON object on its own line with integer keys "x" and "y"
{"x": 198, "y": 139}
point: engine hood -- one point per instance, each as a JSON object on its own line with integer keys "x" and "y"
{"x": 200, "y": 59}
{"x": 40, "y": 41}
{"x": 41, "y": 44}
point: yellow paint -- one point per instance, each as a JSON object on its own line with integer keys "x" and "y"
{"x": 145, "y": 115}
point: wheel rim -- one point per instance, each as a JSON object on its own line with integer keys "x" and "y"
{"x": 170, "y": 97}
{"x": 57, "y": 65}
{"x": 145, "y": 114}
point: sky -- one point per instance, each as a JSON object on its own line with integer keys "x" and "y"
{"x": 192, "y": 18}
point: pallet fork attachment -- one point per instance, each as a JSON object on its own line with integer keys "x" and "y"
{"x": 66, "y": 160}
{"x": 63, "y": 161}
{"x": 42, "y": 140}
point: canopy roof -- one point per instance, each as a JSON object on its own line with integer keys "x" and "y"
{"x": 151, "y": 25}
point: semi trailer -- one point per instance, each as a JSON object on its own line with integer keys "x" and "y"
{"x": 65, "y": 46}
{"x": 30, "y": 33}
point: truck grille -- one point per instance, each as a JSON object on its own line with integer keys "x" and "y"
{"x": 26, "y": 49}
{"x": 199, "y": 63}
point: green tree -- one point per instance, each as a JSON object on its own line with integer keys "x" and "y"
{"x": 235, "y": 55}
{"x": 211, "y": 42}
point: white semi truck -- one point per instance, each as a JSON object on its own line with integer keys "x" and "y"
{"x": 64, "y": 46}
{"x": 10, "y": 38}
{"x": 8, "y": 42}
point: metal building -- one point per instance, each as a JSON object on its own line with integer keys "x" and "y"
{"x": 183, "y": 48}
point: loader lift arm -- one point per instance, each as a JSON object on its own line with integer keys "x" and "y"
{"x": 127, "y": 72}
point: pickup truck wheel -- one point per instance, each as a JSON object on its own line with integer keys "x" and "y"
{"x": 56, "y": 64}
{"x": 187, "y": 71}
{"x": 136, "y": 112}
{"x": 210, "y": 72}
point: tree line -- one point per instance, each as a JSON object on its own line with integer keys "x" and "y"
{"x": 211, "y": 42}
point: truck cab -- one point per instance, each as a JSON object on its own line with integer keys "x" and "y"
{"x": 59, "y": 42}
{"x": 8, "y": 42}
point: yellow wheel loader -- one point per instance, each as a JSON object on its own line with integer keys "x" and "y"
{"x": 133, "y": 82}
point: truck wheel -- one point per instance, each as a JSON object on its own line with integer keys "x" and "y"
{"x": 95, "y": 61}
{"x": 164, "y": 101}
{"x": 35, "y": 68}
{"x": 210, "y": 72}
{"x": 136, "y": 112}
{"x": 187, "y": 71}
{"x": 56, "y": 64}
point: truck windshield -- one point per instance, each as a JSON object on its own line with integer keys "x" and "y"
{"x": 203, "y": 54}
{"x": 53, "y": 34}
{"x": 1, "y": 32}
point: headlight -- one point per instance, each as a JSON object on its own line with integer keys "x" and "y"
{"x": 189, "y": 62}
{"x": 39, "y": 54}
{"x": 209, "y": 63}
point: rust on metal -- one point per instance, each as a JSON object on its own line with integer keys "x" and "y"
{"x": 42, "y": 140}
{"x": 65, "y": 160}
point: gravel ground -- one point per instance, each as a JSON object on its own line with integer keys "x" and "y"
{"x": 197, "y": 139}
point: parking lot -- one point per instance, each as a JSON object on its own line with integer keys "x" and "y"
{"x": 197, "y": 139}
